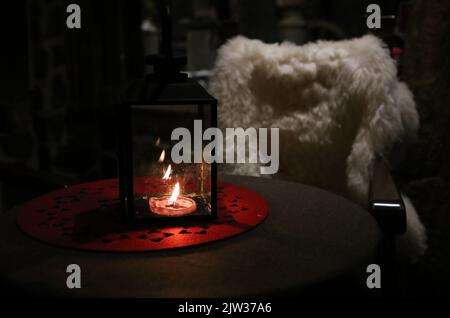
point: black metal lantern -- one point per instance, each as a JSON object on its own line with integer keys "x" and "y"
{"x": 153, "y": 186}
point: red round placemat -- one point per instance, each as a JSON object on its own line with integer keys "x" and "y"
{"x": 87, "y": 217}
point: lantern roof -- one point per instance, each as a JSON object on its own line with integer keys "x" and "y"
{"x": 178, "y": 92}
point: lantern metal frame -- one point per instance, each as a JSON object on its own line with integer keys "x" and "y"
{"x": 166, "y": 86}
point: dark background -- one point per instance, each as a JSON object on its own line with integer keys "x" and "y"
{"x": 58, "y": 88}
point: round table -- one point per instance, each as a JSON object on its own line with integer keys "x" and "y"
{"x": 309, "y": 238}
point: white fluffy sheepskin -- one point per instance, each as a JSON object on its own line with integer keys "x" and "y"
{"x": 337, "y": 105}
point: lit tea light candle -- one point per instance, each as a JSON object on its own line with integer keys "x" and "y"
{"x": 173, "y": 205}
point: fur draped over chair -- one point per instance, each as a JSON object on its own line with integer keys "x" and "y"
{"x": 337, "y": 104}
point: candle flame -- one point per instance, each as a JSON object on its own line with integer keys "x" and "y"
{"x": 175, "y": 194}
{"x": 162, "y": 156}
{"x": 158, "y": 141}
{"x": 167, "y": 173}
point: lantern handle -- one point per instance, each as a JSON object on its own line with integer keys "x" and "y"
{"x": 166, "y": 32}
{"x": 166, "y": 67}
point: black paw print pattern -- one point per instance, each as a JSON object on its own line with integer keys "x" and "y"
{"x": 59, "y": 214}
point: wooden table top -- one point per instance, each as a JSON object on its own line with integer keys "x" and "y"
{"x": 311, "y": 236}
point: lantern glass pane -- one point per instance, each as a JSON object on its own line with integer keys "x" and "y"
{"x": 162, "y": 187}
